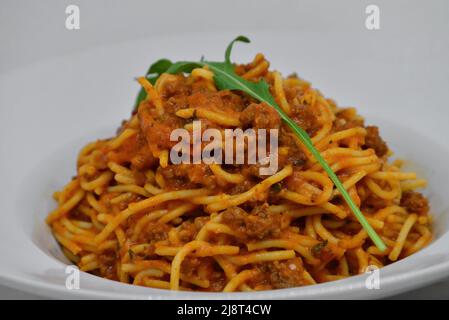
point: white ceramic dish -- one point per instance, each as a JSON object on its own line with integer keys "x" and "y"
{"x": 51, "y": 109}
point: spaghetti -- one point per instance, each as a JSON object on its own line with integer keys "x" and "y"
{"x": 131, "y": 215}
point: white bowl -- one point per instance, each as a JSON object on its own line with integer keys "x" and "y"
{"x": 52, "y": 108}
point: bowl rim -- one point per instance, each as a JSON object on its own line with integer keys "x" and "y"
{"x": 391, "y": 284}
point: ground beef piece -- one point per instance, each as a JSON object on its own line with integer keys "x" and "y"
{"x": 283, "y": 274}
{"x": 187, "y": 231}
{"x": 374, "y": 141}
{"x": 157, "y": 128}
{"x": 107, "y": 259}
{"x": 134, "y": 151}
{"x": 204, "y": 268}
{"x": 258, "y": 224}
{"x": 76, "y": 214}
{"x": 253, "y": 170}
{"x": 217, "y": 282}
{"x": 155, "y": 232}
{"x": 415, "y": 202}
{"x": 295, "y": 155}
{"x": 188, "y": 176}
{"x": 175, "y": 85}
{"x": 124, "y": 204}
{"x": 244, "y": 186}
{"x": 190, "y": 265}
{"x": 326, "y": 252}
{"x": 231, "y": 100}
{"x": 347, "y": 119}
{"x": 260, "y": 116}
{"x": 305, "y": 117}
{"x": 374, "y": 202}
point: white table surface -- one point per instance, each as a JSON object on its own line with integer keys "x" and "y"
{"x": 34, "y": 30}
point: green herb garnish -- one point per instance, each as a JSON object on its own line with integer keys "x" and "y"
{"x": 276, "y": 188}
{"x": 153, "y": 73}
{"x": 316, "y": 249}
{"x": 226, "y": 79}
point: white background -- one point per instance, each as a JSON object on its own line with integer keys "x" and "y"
{"x": 32, "y": 31}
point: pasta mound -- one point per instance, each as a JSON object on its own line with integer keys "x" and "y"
{"x": 131, "y": 215}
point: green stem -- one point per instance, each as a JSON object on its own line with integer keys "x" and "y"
{"x": 308, "y": 143}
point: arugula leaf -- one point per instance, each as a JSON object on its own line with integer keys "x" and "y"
{"x": 226, "y": 79}
{"x": 164, "y": 66}
{"x": 159, "y": 67}
{"x": 154, "y": 72}
{"x": 229, "y": 48}
{"x": 184, "y": 67}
